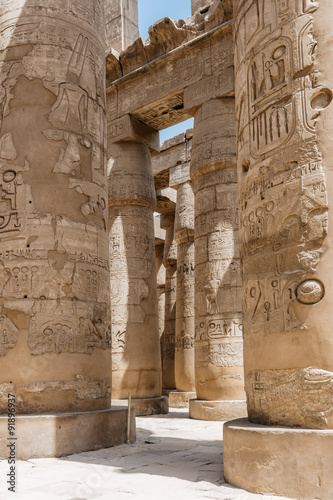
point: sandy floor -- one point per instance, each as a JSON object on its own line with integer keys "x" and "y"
{"x": 174, "y": 458}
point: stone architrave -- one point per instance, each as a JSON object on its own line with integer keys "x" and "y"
{"x": 54, "y": 270}
{"x": 170, "y": 264}
{"x": 184, "y": 348}
{"x": 218, "y": 311}
{"x": 134, "y": 309}
{"x": 284, "y": 83}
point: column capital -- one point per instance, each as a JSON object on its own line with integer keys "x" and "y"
{"x": 129, "y": 129}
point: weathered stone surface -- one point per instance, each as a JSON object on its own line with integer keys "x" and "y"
{"x": 218, "y": 312}
{"x": 180, "y": 399}
{"x": 146, "y": 406}
{"x": 121, "y": 23}
{"x": 169, "y": 337}
{"x": 128, "y": 128}
{"x": 217, "y": 411}
{"x": 185, "y": 327}
{"x": 62, "y": 434}
{"x": 284, "y": 113}
{"x": 136, "y": 345}
{"x": 153, "y": 90}
{"x": 54, "y": 273}
{"x": 296, "y": 463}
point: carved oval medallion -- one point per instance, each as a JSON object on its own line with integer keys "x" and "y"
{"x": 310, "y": 292}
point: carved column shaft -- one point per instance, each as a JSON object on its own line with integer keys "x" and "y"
{"x": 160, "y": 292}
{"x": 218, "y": 316}
{"x": 134, "y": 315}
{"x": 54, "y": 322}
{"x": 285, "y": 118}
{"x": 184, "y": 236}
{"x": 170, "y": 264}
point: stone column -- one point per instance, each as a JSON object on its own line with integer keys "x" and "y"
{"x": 134, "y": 313}
{"x": 184, "y": 236}
{"x": 285, "y": 119}
{"x": 218, "y": 311}
{"x": 54, "y": 320}
{"x": 170, "y": 264}
{"x": 159, "y": 249}
{"x": 121, "y": 22}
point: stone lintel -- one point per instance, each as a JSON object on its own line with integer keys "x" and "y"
{"x": 159, "y": 232}
{"x": 154, "y": 92}
{"x": 217, "y": 410}
{"x": 210, "y": 87}
{"x": 166, "y": 202}
{"x": 129, "y": 129}
{"x": 180, "y": 174}
{"x": 276, "y": 460}
{"x": 56, "y": 435}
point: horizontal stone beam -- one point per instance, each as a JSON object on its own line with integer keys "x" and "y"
{"x": 128, "y": 128}
{"x": 163, "y": 92}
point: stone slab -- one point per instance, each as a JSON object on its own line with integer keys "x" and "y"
{"x": 217, "y": 410}
{"x": 146, "y": 406}
{"x": 128, "y": 128}
{"x": 60, "y": 434}
{"x": 179, "y": 399}
{"x": 285, "y": 461}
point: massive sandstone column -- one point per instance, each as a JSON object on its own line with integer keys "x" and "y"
{"x": 284, "y": 82}
{"x": 160, "y": 271}
{"x": 134, "y": 310}
{"x": 169, "y": 337}
{"x": 184, "y": 236}
{"x": 218, "y": 312}
{"x": 54, "y": 322}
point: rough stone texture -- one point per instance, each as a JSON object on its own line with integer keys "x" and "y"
{"x": 54, "y": 273}
{"x": 121, "y": 23}
{"x": 182, "y": 79}
{"x": 275, "y": 460}
{"x": 180, "y": 399}
{"x": 159, "y": 250}
{"x": 185, "y": 328}
{"x": 62, "y": 434}
{"x": 218, "y": 312}
{"x": 134, "y": 309}
{"x": 146, "y": 406}
{"x": 284, "y": 114}
{"x": 169, "y": 337}
{"x": 217, "y": 410}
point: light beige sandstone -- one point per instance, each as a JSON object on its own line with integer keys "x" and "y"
{"x": 159, "y": 251}
{"x": 184, "y": 236}
{"x": 136, "y": 345}
{"x": 55, "y": 315}
{"x": 218, "y": 312}
{"x": 285, "y": 116}
{"x": 121, "y": 23}
{"x": 169, "y": 337}
{"x": 275, "y": 460}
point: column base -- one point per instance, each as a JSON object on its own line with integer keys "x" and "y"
{"x": 166, "y": 392}
{"x": 179, "y": 399}
{"x": 146, "y": 406}
{"x": 56, "y": 435}
{"x": 284, "y": 461}
{"x": 217, "y": 410}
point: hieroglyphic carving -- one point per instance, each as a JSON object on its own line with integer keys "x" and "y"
{"x": 276, "y": 397}
{"x": 272, "y": 107}
{"x": 67, "y": 326}
{"x": 8, "y": 334}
